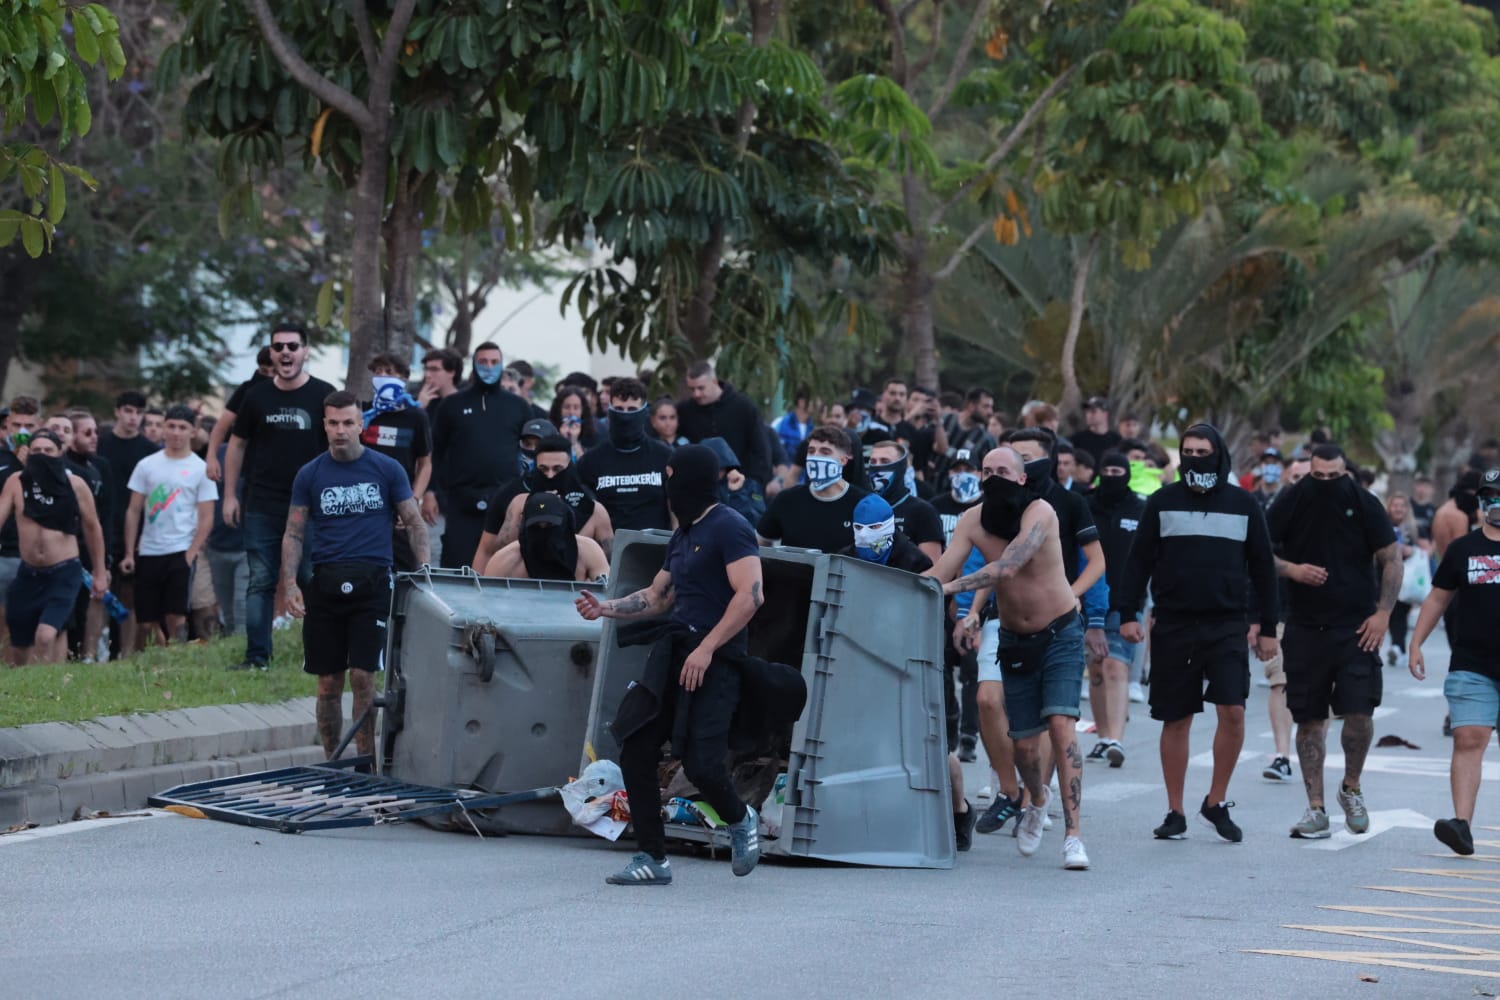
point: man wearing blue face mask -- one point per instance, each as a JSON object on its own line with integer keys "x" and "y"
{"x": 1268, "y": 478}
{"x": 819, "y": 514}
{"x": 475, "y": 446}
{"x": 396, "y": 426}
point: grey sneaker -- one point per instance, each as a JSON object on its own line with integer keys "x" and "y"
{"x": 1029, "y": 830}
{"x": 744, "y": 843}
{"x": 643, "y": 870}
{"x": 1356, "y": 817}
{"x": 1313, "y": 825}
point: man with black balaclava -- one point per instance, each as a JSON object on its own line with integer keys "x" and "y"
{"x": 1117, "y": 514}
{"x": 1041, "y": 655}
{"x": 711, "y": 585}
{"x": 476, "y": 437}
{"x": 50, "y": 505}
{"x": 891, "y": 477}
{"x": 627, "y": 471}
{"x": 548, "y": 549}
{"x": 1334, "y": 537}
{"x": 1203, "y": 547}
{"x": 554, "y": 472}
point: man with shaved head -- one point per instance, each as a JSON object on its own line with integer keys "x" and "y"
{"x": 1041, "y": 653}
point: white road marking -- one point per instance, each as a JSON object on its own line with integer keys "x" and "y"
{"x": 1380, "y": 821}
{"x": 79, "y": 826}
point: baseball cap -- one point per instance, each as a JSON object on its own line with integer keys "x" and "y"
{"x": 963, "y": 456}
{"x": 538, "y": 428}
{"x": 1490, "y": 481}
{"x": 863, "y": 399}
{"x": 1096, "y": 403}
{"x": 543, "y": 508}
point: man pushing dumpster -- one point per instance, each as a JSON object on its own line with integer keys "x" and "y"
{"x": 697, "y": 671}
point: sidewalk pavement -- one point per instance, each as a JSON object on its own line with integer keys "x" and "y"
{"x": 53, "y": 772}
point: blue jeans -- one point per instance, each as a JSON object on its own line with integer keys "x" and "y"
{"x": 1050, "y": 679}
{"x": 1473, "y": 699}
{"x": 262, "y": 533}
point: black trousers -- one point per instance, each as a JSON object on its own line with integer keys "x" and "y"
{"x": 704, "y": 753}
{"x": 1399, "y": 617}
{"x": 461, "y": 538}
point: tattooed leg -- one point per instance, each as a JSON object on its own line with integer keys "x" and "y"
{"x": 362, "y": 683}
{"x": 1359, "y": 731}
{"x": 330, "y": 711}
{"x": 1069, "y": 769}
{"x": 1029, "y": 763}
{"x": 1311, "y": 749}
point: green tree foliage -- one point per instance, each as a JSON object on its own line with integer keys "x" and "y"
{"x": 42, "y": 87}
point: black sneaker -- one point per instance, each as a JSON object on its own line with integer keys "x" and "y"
{"x": 1115, "y": 753}
{"x": 248, "y": 665}
{"x": 1174, "y": 827}
{"x": 997, "y": 814}
{"x": 963, "y": 826}
{"x": 1218, "y": 818}
{"x": 1454, "y": 833}
{"x": 1096, "y": 755}
{"x": 966, "y": 750}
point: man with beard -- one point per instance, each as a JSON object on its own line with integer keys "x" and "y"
{"x": 1117, "y": 514}
{"x": 1041, "y": 656}
{"x": 1331, "y": 534}
{"x": 51, "y": 505}
{"x": 711, "y": 583}
{"x": 627, "y": 471}
{"x": 1203, "y": 546}
{"x": 548, "y": 549}
{"x": 889, "y": 473}
{"x": 352, "y": 495}
{"x": 554, "y": 473}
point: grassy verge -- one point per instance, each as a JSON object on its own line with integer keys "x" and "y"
{"x": 153, "y": 681}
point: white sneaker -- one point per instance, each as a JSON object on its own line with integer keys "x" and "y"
{"x": 1137, "y": 694}
{"x": 1084, "y": 694}
{"x": 1075, "y": 858}
{"x": 1029, "y": 830}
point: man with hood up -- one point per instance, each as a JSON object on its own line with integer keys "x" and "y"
{"x": 1332, "y": 536}
{"x": 891, "y": 477}
{"x": 1203, "y": 546}
{"x": 1117, "y": 514}
{"x": 554, "y": 472}
{"x": 548, "y": 549}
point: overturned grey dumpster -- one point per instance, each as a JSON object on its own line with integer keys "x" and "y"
{"x": 866, "y": 779}
{"x": 488, "y": 686}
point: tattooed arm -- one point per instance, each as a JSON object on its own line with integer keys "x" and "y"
{"x": 745, "y": 578}
{"x": 409, "y": 514}
{"x": 1372, "y": 630}
{"x": 1036, "y": 524}
{"x": 648, "y": 603}
{"x": 291, "y": 558}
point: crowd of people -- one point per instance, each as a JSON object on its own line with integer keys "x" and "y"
{"x": 1086, "y": 564}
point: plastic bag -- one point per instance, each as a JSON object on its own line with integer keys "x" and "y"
{"x": 770, "y": 810}
{"x": 591, "y": 795}
{"x": 1416, "y": 578}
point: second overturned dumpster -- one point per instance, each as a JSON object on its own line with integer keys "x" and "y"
{"x": 863, "y": 778}
{"x": 488, "y": 686}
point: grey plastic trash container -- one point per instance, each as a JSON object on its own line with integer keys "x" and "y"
{"x": 490, "y": 682}
{"x": 867, "y": 774}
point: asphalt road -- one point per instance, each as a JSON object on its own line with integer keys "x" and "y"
{"x": 169, "y": 906}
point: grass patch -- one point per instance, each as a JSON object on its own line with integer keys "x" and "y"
{"x": 153, "y": 681}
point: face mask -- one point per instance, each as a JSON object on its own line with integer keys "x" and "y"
{"x": 1005, "y": 501}
{"x": 823, "y": 472}
{"x": 488, "y": 374}
{"x": 873, "y": 542}
{"x": 1491, "y": 507}
{"x": 1113, "y": 487}
{"x": 389, "y": 393}
{"x": 1200, "y": 472}
{"x": 627, "y": 428}
{"x": 964, "y": 486}
{"x": 863, "y": 424}
{"x": 693, "y": 485}
{"x": 889, "y": 480}
{"x": 1039, "y": 474}
{"x": 1270, "y": 474}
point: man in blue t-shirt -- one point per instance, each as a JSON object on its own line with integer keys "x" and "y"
{"x": 711, "y": 584}
{"x": 351, "y": 495}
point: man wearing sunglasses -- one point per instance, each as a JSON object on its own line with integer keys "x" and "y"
{"x": 277, "y": 430}
{"x": 1343, "y": 568}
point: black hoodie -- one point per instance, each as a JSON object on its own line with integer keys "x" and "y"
{"x": 735, "y": 419}
{"x": 1202, "y": 553}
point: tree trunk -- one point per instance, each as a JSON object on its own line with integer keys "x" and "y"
{"x": 18, "y": 280}
{"x": 402, "y": 241}
{"x": 1398, "y": 446}
{"x": 917, "y": 288}
{"x": 367, "y": 322}
{"x": 461, "y": 334}
{"x": 1071, "y": 404}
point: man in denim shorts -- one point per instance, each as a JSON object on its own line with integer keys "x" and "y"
{"x": 1041, "y": 653}
{"x": 1468, "y": 580}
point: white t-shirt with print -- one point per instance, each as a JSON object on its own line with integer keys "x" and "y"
{"x": 172, "y": 488}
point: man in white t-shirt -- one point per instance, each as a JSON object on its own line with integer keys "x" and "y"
{"x": 171, "y": 511}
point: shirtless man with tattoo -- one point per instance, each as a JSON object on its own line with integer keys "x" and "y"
{"x": 352, "y": 495}
{"x": 1041, "y": 637}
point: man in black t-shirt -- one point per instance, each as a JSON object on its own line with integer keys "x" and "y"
{"x": 1331, "y": 535}
{"x": 915, "y": 518}
{"x": 277, "y": 430}
{"x": 225, "y": 422}
{"x": 397, "y": 427}
{"x": 1466, "y": 587}
{"x": 1096, "y": 438}
{"x": 820, "y": 514}
{"x": 627, "y": 472}
{"x": 123, "y": 445}
{"x": 554, "y": 472}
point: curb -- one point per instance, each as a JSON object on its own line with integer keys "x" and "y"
{"x": 51, "y": 770}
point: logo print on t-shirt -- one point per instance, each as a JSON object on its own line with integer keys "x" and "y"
{"x": 160, "y": 499}
{"x": 290, "y": 418}
{"x": 1484, "y": 569}
{"x": 337, "y": 501}
{"x": 382, "y": 436}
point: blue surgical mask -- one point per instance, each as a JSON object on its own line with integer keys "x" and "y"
{"x": 1270, "y": 474}
{"x": 823, "y": 472}
{"x": 964, "y": 486}
{"x": 488, "y": 374}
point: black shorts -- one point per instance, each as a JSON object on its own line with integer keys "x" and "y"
{"x": 41, "y": 596}
{"x": 1325, "y": 668}
{"x": 1194, "y": 662}
{"x": 162, "y": 586}
{"x": 345, "y": 627}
